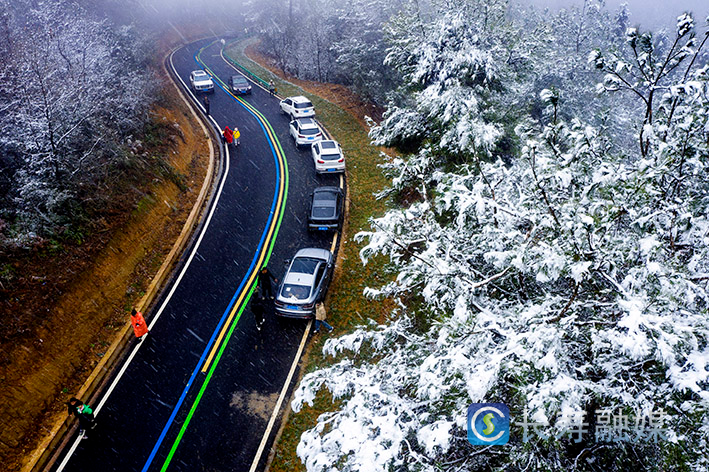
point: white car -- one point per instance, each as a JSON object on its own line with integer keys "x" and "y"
{"x": 328, "y": 157}
{"x": 297, "y": 107}
{"x": 201, "y": 81}
{"x": 305, "y": 131}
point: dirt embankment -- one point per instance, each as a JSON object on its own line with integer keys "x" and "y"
{"x": 72, "y": 300}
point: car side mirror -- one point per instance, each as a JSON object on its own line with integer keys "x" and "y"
{"x": 286, "y": 262}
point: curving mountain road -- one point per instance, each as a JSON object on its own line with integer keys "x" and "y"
{"x": 204, "y": 391}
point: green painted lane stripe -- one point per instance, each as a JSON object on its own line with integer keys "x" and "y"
{"x": 168, "y": 459}
{"x": 284, "y": 175}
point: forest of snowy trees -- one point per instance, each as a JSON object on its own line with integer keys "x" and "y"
{"x": 74, "y": 86}
{"x": 548, "y": 241}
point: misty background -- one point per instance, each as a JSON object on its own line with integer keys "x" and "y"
{"x": 646, "y": 13}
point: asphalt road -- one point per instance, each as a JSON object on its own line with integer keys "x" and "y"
{"x": 168, "y": 411}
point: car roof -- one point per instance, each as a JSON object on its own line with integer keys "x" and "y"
{"x": 325, "y": 196}
{"x": 325, "y": 200}
{"x": 241, "y": 78}
{"x": 199, "y": 72}
{"x": 315, "y": 253}
{"x": 298, "y": 278}
{"x": 329, "y": 146}
{"x": 307, "y": 123}
{"x": 299, "y": 99}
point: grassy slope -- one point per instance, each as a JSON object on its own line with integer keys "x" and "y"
{"x": 346, "y": 305}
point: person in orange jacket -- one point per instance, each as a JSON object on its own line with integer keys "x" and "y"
{"x": 140, "y": 328}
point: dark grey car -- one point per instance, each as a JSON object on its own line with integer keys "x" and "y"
{"x": 304, "y": 283}
{"x": 239, "y": 85}
{"x": 325, "y": 209}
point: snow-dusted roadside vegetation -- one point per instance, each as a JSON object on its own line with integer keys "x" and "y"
{"x": 73, "y": 87}
{"x": 553, "y": 256}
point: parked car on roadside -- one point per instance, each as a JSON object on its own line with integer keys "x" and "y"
{"x": 304, "y": 283}
{"x": 305, "y": 131}
{"x": 325, "y": 209}
{"x": 328, "y": 156}
{"x": 297, "y": 107}
{"x": 200, "y": 81}
{"x": 239, "y": 85}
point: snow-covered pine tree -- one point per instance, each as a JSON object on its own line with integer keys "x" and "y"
{"x": 73, "y": 86}
{"x": 569, "y": 283}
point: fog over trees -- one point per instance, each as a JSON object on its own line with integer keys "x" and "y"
{"x": 74, "y": 87}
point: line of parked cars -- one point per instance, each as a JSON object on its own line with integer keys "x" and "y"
{"x": 327, "y": 154}
{"x": 309, "y": 272}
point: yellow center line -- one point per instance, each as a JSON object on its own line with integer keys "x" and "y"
{"x": 263, "y": 253}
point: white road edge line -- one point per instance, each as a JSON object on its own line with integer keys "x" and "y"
{"x": 277, "y": 408}
{"x": 172, "y": 290}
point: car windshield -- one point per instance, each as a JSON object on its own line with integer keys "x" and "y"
{"x": 200, "y": 75}
{"x": 330, "y": 157}
{"x": 309, "y": 131}
{"x": 238, "y": 80}
{"x": 293, "y": 291}
{"x": 303, "y": 105}
{"x": 304, "y": 265}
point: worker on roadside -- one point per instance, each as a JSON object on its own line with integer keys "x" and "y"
{"x": 206, "y": 105}
{"x": 140, "y": 328}
{"x": 265, "y": 278}
{"x": 237, "y": 134}
{"x": 271, "y": 88}
{"x": 321, "y": 318}
{"x": 83, "y": 413}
